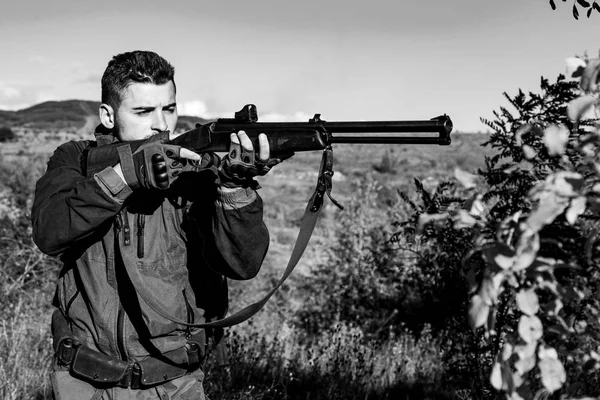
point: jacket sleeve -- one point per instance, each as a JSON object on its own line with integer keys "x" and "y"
{"x": 232, "y": 235}
{"x": 69, "y": 207}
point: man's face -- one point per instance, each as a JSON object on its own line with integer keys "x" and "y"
{"x": 145, "y": 110}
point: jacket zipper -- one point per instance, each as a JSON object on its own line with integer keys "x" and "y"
{"x": 121, "y": 313}
{"x": 141, "y": 222}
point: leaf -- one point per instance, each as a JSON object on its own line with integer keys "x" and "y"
{"x": 502, "y": 378}
{"x": 547, "y": 352}
{"x": 555, "y": 139}
{"x": 524, "y": 365}
{"x": 530, "y": 328}
{"x": 589, "y": 78}
{"x": 463, "y": 219}
{"x": 496, "y": 376}
{"x": 583, "y": 3}
{"x": 525, "y": 350}
{"x": 523, "y": 129}
{"x": 507, "y": 352}
{"x": 576, "y": 208}
{"x": 567, "y": 183}
{"x": 528, "y": 152}
{"x": 589, "y": 12}
{"x": 553, "y": 307}
{"x": 552, "y": 373}
{"x": 466, "y": 179}
{"x": 575, "y": 67}
{"x": 552, "y": 4}
{"x": 478, "y": 312}
{"x": 528, "y": 302}
{"x": 499, "y": 255}
{"x": 424, "y": 219}
{"x": 527, "y": 249}
{"x": 475, "y": 205}
{"x": 490, "y": 287}
{"x": 578, "y": 107}
{"x": 575, "y": 12}
{"x": 548, "y": 208}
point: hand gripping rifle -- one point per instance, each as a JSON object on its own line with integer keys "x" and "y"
{"x": 284, "y": 138}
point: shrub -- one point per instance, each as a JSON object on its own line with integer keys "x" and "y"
{"x": 536, "y": 291}
{"x": 359, "y": 282}
{"x": 27, "y": 281}
{"x": 6, "y": 134}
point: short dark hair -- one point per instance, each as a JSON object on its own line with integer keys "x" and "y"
{"x": 134, "y": 66}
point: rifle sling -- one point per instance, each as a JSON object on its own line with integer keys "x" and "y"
{"x": 307, "y": 226}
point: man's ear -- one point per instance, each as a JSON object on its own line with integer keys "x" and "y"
{"x": 107, "y": 116}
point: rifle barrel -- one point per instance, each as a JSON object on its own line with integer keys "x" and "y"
{"x": 442, "y": 126}
{"x": 373, "y": 139}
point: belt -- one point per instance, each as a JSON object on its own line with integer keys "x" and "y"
{"x": 107, "y": 371}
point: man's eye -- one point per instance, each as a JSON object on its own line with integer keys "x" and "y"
{"x": 144, "y": 112}
{"x": 170, "y": 110}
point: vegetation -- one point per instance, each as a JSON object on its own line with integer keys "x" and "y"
{"x": 585, "y": 5}
{"x": 473, "y": 286}
{"x": 533, "y": 259}
{"x": 6, "y": 134}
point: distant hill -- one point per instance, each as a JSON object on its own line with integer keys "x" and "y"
{"x": 68, "y": 115}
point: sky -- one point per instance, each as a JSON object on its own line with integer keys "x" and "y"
{"x": 344, "y": 59}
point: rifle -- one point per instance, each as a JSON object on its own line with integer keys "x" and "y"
{"x": 316, "y": 134}
{"x": 284, "y": 138}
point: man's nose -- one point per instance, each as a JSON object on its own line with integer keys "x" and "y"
{"x": 159, "y": 122}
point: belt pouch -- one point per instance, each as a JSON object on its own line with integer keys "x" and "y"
{"x": 96, "y": 367}
{"x": 155, "y": 371}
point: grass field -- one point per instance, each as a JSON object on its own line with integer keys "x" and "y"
{"x": 271, "y": 360}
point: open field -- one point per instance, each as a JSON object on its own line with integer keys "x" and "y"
{"x": 283, "y": 361}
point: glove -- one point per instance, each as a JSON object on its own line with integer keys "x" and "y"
{"x": 240, "y": 165}
{"x": 154, "y": 165}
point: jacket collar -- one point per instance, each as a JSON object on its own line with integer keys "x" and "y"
{"x": 104, "y": 135}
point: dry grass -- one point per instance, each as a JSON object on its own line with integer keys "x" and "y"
{"x": 25, "y": 349}
{"x": 273, "y": 359}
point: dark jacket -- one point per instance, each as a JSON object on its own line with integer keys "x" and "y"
{"x": 185, "y": 244}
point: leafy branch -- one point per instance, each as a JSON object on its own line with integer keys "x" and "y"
{"x": 584, "y": 4}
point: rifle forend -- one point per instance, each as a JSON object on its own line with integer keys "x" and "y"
{"x": 316, "y": 134}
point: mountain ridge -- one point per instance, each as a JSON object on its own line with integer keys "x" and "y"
{"x": 68, "y": 115}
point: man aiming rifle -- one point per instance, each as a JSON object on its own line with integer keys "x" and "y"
{"x": 150, "y": 225}
{"x": 184, "y": 228}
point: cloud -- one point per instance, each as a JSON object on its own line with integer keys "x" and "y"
{"x": 44, "y": 96}
{"x": 10, "y": 92}
{"x": 90, "y": 79}
{"x": 299, "y": 116}
{"x": 17, "y": 95}
{"x": 198, "y": 108}
{"x": 40, "y": 59}
{"x": 194, "y": 108}
{"x": 14, "y": 107}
